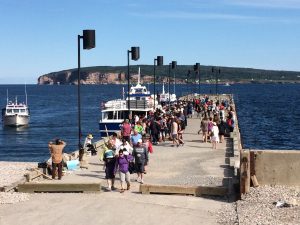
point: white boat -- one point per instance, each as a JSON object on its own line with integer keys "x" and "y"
{"x": 114, "y": 112}
{"x": 226, "y": 84}
{"x": 15, "y": 114}
{"x": 164, "y": 97}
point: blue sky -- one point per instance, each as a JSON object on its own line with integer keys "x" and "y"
{"x": 40, "y": 36}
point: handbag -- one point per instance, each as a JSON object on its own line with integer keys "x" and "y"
{"x": 131, "y": 166}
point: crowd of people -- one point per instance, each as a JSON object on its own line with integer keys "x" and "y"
{"x": 129, "y": 150}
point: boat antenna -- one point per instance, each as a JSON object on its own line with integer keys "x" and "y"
{"x": 25, "y": 95}
{"x": 139, "y": 74}
{"x": 174, "y": 84}
{"x": 6, "y": 96}
{"x": 123, "y": 93}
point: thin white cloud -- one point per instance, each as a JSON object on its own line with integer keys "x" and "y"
{"x": 281, "y": 4}
{"x": 189, "y": 15}
{"x": 212, "y": 16}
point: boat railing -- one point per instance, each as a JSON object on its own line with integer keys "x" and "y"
{"x": 140, "y": 104}
{"x": 123, "y": 104}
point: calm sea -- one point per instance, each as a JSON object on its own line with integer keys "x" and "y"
{"x": 269, "y": 115}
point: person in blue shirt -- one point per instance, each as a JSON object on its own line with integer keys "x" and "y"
{"x": 135, "y": 137}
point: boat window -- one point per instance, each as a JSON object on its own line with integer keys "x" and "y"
{"x": 138, "y": 90}
{"x": 22, "y": 110}
{"x": 16, "y": 110}
{"x": 110, "y": 115}
{"x": 9, "y": 111}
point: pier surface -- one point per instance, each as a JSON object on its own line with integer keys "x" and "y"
{"x": 195, "y": 164}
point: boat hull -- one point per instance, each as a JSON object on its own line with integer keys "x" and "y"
{"x": 107, "y": 128}
{"x": 15, "y": 120}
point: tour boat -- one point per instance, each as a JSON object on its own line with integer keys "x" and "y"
{"x": 15, "y": 114}
{"x": 164, "y": 97}
{"x": 114, "y": 112}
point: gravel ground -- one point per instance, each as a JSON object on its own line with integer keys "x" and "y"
{"x": 11, "y": 172}
{"x": 257, "y": 207}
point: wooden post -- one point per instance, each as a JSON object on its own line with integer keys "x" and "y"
{"x": 252, "y": 169}
{"x": 245, "y": 172}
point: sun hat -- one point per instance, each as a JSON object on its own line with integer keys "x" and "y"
{"x": 214, "y": 123}
{"x": 90, "y": 136}
{"x": 140, "y": 141}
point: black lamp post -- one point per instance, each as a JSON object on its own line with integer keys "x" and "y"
{"x": 187, "y": 81}
{"x": 160, "y": 62}
{"x": 173, "y": 64}
{"x": 217, "y": 71}
{"x": 135, "y": 55}
{"x": 88, "y": 43}
{"x": 197, "y": 71}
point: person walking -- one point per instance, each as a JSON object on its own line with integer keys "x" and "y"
{"x": 204, "y": 128}
{"x": 222, "y": 130}
{"x": 214, "y": 135}
{"x": 122, "y": 165}
{"x": 174, "y": 131}
{"x": 140, "y": 154}
{"x": 56, "y": 151}
{"x": 126, "y": 130}
{"x": 109, "y": 160}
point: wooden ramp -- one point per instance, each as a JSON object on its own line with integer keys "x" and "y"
{"x": 186, "y": 190}
{"x": 30, "y": 187}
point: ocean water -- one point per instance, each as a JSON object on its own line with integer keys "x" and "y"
{"x": 269, "y": 115}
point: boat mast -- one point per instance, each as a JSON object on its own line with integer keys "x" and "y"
{"x": 25, "y": 95}
{"x": 139, "y": 75}
{"x": 174, "y": 84}
{"x": 6, "y": 96}
{"x": 123, "y": 94}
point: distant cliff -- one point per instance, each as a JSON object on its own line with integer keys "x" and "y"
{"x": 71, "y": 77}
{"x": 183, "y": 73}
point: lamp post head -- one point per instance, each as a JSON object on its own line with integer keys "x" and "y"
{"x": 160, "y": 60}
{"x": 197, "y": 67}
{"x": 174, "y": 64}
{"x": 135, "y": 53}
{"x": 89, "y": 39}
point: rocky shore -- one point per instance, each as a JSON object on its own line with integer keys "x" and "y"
{"x": 264, "y": 205}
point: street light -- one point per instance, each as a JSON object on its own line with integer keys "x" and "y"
{"x": 187, "y": 81}
{"x": 160, "y": 62}
{"x": 135, "y": 55}
{"x": 88, "y": 43}
{"x": 173, "y": 64}
{"x": 197, "y": 71}
{"x": 217, "y": 71}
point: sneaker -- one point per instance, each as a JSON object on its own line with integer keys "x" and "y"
{"x": 142, "y": 181}
{"x": 122, "y": 191}
{"x": 108, "y": 189}
{"x": 113, "y": 188}
{"x": 138, "y": 179}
